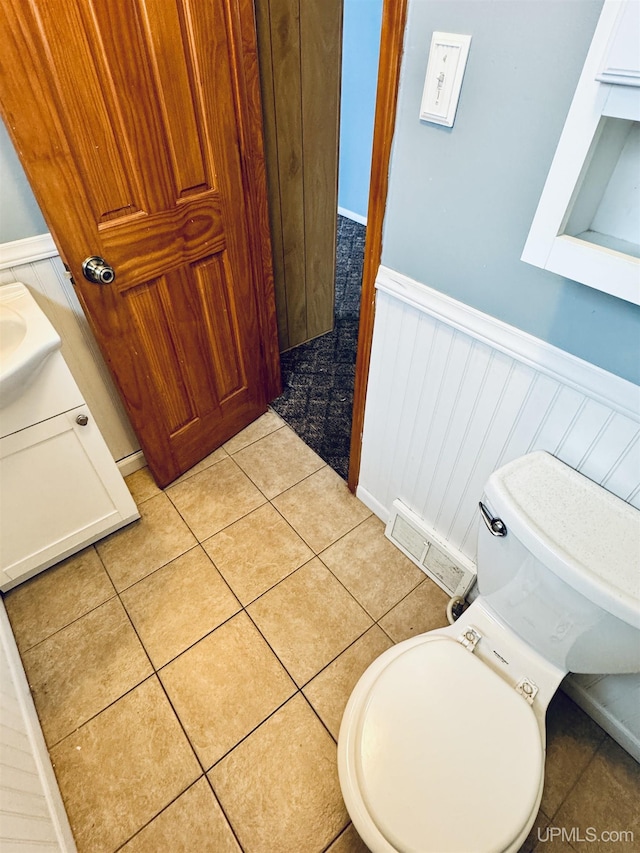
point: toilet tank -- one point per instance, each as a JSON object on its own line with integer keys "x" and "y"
{"x": 566, "y": 576}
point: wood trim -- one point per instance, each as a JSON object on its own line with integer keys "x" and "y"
{"x": 247, "y": 83}
{"x": 270, "y": 133}
{"x": 394, "y": 16}
{"x": 320, "y": 77}
{"x": 299, "y": 48}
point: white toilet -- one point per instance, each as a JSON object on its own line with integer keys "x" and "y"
{"x": 442, "y": 743}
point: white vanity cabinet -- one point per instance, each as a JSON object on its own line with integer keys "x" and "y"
{"x": 60, "y": 489}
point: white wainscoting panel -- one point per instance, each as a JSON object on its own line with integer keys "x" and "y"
{"x": 36, "y": 263}
{"x": 454, "y": 394}
{"x": 32, "y": 816}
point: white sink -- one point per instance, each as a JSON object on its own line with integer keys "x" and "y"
{"x": 27, "y": 339}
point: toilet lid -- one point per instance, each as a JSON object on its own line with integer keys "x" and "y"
{"x": 448, "y": 756}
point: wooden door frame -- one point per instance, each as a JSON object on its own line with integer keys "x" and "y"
{"x": 394, "y": 16}
{"x": 254, "y": 171}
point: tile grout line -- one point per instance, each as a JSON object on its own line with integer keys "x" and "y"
{"x": 156, "y": 670}
{"x": 579, "y": 778}
{"x": 243, "y": 608}
{"x": 298, "y": 689}
{"x": 162, "y": 810}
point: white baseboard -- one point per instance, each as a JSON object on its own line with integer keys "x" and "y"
{"x": 349, "y": 214}
{"x": 614, "y": 727}
{"x": 131, "y": 463}
{"x": 376, "y": 507}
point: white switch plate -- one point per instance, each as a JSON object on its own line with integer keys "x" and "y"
{"x": 445, "y": 70}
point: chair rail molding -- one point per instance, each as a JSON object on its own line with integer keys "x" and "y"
{"x": 612, "y": 390}
{"x": 27, "y": 251}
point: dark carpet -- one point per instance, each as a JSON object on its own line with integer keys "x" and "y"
{"x": 318, "y": 376}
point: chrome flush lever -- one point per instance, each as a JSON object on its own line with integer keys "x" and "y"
{"x": 496, "y": 525}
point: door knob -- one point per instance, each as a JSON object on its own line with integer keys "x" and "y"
{"x": 97, "y": 270}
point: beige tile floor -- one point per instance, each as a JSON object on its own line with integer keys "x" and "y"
{"x": 190, "y": 671}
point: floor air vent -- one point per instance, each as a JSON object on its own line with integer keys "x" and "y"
{"x": 454, "y": 573}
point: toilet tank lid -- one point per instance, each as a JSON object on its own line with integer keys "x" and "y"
{"x": 589, "y": 537}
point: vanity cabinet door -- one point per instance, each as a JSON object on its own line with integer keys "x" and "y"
{"x": 60, "y": 491}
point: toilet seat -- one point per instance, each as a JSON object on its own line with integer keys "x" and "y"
{"x": 438, "y": 753}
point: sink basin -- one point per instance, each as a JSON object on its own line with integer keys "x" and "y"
{"x": 13, "y": 328}
{"x": 27, "y": 339}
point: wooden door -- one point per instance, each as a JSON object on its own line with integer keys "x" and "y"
{"x": 138, "y": 124}
{"x": 300, "y": 48}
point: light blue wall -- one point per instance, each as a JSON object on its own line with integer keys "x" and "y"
{"x": 19, "y": 214}
{"x": 461, "y": 200}
{"x": 360, "y": 47}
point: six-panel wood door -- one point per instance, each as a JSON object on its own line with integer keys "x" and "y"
{"x": 138, "y": 124}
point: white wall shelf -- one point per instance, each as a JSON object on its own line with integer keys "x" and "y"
{"x": 587, "y": 225}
